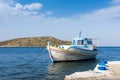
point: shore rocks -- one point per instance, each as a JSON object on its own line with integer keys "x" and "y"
{"x": 112, "y": 73}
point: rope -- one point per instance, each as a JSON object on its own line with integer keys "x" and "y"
{"x": 32, "y": 59}
{"x": 102, "y": 57}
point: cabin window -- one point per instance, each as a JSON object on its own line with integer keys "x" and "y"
{"x": 73, "y": 43}
{"x": 80, "y": 42}
{"x": 89, "y": 42}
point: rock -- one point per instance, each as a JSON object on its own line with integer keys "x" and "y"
{"x": 112, "y": 73}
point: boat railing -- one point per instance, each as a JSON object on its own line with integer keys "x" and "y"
{"x": 58, "y": 46}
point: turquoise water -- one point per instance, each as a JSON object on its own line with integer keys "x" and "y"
{"x": 14, "y": 66}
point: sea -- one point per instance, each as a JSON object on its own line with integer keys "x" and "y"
{"x": 33, "y": 63}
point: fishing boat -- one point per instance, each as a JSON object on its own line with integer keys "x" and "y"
{"x": 80, "y": 49}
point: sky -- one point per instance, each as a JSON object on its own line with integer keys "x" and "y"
{"x": 62, "y": 19}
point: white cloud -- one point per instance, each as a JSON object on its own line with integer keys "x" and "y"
{"x": 18, "y": 6}
{"x": 29, "y": 9}
{"x": 33, "y": 6}
{"x": 110, "y": 12}
{"x": 27, "y": 20}
{"x": 116, "y": 1}
{"x": 19, "y": 9}
{"x": 48, "y": 13}
{"x": 7, "y": 1}
{"x": 104, "y": 22}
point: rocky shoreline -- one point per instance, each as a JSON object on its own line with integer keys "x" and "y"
{"x": 113, "y": 73}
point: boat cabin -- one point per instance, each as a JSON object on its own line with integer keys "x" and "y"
{"x": 81, "y": 41}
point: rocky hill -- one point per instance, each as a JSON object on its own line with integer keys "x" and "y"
{"x": 32, "y": 41}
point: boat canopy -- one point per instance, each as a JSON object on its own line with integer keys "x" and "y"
{"x": 82, "y": 41}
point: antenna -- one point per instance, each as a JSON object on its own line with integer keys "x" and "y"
{"x": 80, "y": 33}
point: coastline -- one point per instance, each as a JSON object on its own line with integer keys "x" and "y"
{"x": 113, "y": 73}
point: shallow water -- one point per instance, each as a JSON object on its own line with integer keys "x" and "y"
{"x": 14, "y": 66}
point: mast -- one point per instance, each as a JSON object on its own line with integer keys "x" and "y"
{"x": 80, "y": 34}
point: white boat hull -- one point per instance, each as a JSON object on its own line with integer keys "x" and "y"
{"x": 57, "y": 54}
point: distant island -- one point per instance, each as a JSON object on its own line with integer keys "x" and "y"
{"x": 33, "y": 42}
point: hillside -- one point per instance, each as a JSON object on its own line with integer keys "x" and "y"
{"x": 32, "y": 41}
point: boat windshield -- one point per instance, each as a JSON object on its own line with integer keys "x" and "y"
{"x": 89, "y": 42}
{"x": 80, "y": 42}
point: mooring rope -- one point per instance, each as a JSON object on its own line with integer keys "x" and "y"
{"x": 32, "y": 59}
{"x": 102, "y": 57}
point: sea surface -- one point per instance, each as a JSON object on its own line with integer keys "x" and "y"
{"x": 33, "y": 63}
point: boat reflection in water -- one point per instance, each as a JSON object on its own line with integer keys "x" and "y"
{"x": 59, "y": 70}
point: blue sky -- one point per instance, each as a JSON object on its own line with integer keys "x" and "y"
{"x": 66, "y": 8}
{"x": 62, "y": 19}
